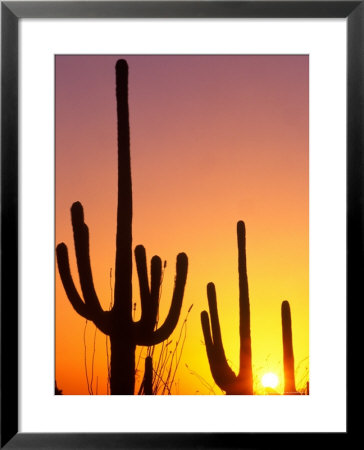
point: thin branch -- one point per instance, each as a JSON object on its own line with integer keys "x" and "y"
{"x": 85, "y": 357}
{"x": 93, "y": 361}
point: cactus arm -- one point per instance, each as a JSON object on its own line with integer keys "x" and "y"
{"x": 215, "y": 324}
{"x": 123, "y": 259}
{"x": 149, "y": 297}
{"x": 245, "y": 371}
{"x": 82, "y": 248}
{"x": 223, "y": 376}
{"x": 171, "y": 320}
{"x": 221, "y": 372}
{"x": 67, "y": 281}
{"x": 155, "y": 285}
{"x": 205, "y": 322}
{"x": 141, "y": 265}
{"x": 100, "y": 318}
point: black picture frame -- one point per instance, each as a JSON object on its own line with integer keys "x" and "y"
{"x": 11, "y": 12}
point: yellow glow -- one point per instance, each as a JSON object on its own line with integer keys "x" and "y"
{"x": 270, "y": 380}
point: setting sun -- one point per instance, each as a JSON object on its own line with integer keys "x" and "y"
{"x": 270, "y": 380}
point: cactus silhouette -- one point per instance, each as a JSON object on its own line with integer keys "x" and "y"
{"x": 125, "y": 334}
{"x": 148, "y": 376}
{"x": 288, "y": 358}
{"x": 224, "y": 377}
{"x": 56, "y": 390}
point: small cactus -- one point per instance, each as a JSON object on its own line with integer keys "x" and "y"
{"x": 224, "y": 377}
{"x": 288, "y": 358}
{"x": 148, "y": 376}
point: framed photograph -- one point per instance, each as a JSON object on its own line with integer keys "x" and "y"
{"x": 181, "y": 219}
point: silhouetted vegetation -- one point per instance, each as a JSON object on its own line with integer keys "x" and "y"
{"x": 167, "y": 357}
{"x": 148, "y": 376}
{"x": 124, "y": 334}
{"x": 117, "y": 323}
{"x": 288, "y": 358}
{"x": 56, "y": 390}
{"x": 223, "y": 375}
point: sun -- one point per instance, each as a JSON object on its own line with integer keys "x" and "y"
{"x": 270, "y": 380}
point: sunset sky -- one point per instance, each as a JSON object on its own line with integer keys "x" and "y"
{"x": 214, "y": 140}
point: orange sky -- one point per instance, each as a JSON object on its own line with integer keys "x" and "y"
{"x": 214, "y": 140}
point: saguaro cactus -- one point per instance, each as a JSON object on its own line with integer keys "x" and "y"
{"x": 125, "y": 334}
{"x": 224, "y": 377}
{"x": 148, "y": 376}
{"x": 288, "y": 358}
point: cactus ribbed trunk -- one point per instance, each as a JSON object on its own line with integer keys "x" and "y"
{"x": 122, "y": 376}
{"x": 245, "y": 376}
{"x": 123, "y": 260}
{"x": 288, "y": 358}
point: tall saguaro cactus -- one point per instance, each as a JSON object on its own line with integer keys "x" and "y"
{"x": 288, "y": 358}
{"x": 125, "y": 334}
{"x": 225, "y": 378}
